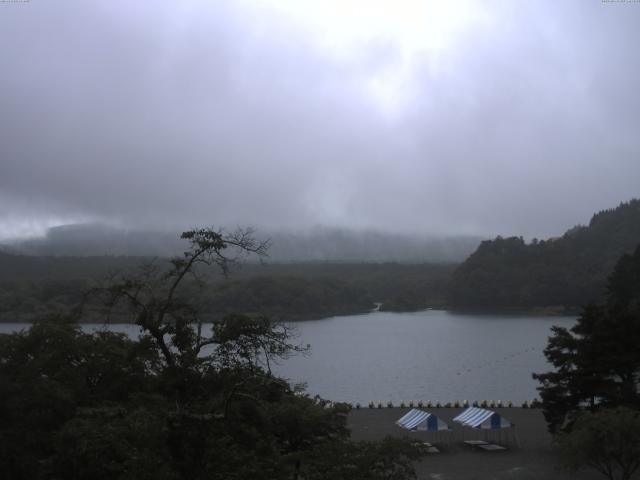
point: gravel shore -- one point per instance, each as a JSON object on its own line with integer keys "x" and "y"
{"x": 530, "y": 457}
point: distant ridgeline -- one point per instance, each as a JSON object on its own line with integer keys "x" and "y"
{"x": 560, "y": 274}
{"x": 314, "y": 245}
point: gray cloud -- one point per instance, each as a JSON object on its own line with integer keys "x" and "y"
{"x": 178, "y": 113}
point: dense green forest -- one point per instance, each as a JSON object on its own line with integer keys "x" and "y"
{"x": 562, "y": 273}
{"x": 34, "y": 286}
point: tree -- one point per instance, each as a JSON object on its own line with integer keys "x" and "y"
{"x": 607, "y": 441}
{"x": 152, "y": 296}
{"x": 218, "y": 382}
{"x": 53, "y": 372}
{"x": 565, "y": 272}
{"x": 597, "y": 362}
{"x": 184, "y": 401}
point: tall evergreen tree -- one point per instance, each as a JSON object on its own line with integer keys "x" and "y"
{"x": 597, "y": 362}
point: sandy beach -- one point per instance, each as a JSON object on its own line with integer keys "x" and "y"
{"x": 531, "y": 458}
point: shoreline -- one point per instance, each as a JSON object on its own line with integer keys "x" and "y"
{"x": 541, "y": 312}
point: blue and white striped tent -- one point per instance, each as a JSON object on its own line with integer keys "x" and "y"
{"x": 421, "y": 420}
{"x": 481, "y": 418}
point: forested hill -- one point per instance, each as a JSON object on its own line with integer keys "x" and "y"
{"x": 32, "y": 287}
{"x": 564, "y": 273}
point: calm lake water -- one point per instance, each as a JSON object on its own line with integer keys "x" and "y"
{"x": 432, "y": 355}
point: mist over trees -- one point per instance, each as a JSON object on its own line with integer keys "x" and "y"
{"x": 312, "y": 245}
{"x": 555, "y": 275}
{"x": 337, "y": 272}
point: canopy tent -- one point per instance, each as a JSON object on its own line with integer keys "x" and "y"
{"x": 421, "y": 420}
{"x": 488, "y": 421}
{"x": 480, "y": 418}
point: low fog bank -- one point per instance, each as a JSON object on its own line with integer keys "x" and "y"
{"x": 313, "y": 245}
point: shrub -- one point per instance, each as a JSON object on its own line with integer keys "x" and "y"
{"x": 607, "y": 441}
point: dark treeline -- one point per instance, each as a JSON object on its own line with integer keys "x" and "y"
{"x": 15, "y": 267}
{"x": 566, "y": 272}
{"x": 34, "y": 286}
{"x": 302, "y": 290}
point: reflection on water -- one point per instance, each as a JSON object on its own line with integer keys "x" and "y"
{"x": 432, "y": 355}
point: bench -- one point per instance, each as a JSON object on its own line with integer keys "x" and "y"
{"x": 490, "y": 447}
{"x": 475, "y": 443}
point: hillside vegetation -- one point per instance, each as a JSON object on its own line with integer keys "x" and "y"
{"x": 34, "y": 286}
{"x": 556, "y": 274}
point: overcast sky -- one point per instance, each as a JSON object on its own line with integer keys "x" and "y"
{"x": 407, "y": 116}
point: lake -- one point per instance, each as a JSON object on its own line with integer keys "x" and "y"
{"x": 431, "y": 355}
